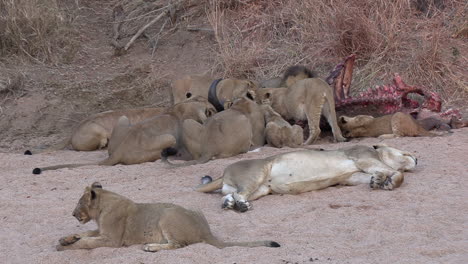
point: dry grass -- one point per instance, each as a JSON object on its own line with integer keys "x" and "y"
{"x": 36, "y": 29}
{"x": 260, "y": 38}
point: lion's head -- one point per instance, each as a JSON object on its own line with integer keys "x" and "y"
{"x": 197, "y": 108}
{"x": 354, "y": 126}
{"x": 397, "y": 159}
{"x": 85, "y": 210}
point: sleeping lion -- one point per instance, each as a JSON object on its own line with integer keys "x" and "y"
{"x": 301, "y": 171}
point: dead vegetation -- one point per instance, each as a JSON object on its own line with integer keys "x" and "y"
{"x": 260, "y": 38}
{"x": 36, "y": 29}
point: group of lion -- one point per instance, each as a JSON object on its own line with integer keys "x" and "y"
{"x": 219, "y": 118}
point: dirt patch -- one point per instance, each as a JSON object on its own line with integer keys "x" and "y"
{"x": 423, "y": 221}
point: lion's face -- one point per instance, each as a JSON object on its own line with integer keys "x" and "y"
{"x": 196, "y": 108}
{"x": 397, "y": 159}
{"x": 354, "y": 126}
{"x": 86, "y": 204}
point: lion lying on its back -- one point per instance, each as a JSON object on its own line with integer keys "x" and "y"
{"x": 388, "y": 126}
{"x": 122, "y": 222}
{"x": 306, "y": 170}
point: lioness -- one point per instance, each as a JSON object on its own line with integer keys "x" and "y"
{"x": 122, "y": 222}
{"x": 204, "y": 85}
{"x": 94, "y": 132}
{"x": 144, "y": 141}
{"x": 278, "y": 132}
{"x": 388, "y": 126}
{"x": 305, "y": 99}
{"x": 309, "y": 170}
{"x": 225, "y": 134}
{"x": 290, "y": 76}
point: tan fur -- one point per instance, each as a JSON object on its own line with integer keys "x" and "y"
{"x": 226, "y": 134}
{"x": 278, "y": 132}
{"x": 199, "y": 85}
{"x": 388, "y": 126}
{"x": 144, "y": 141}
{"x": 122, "y": 222}
{"x": 307, "y": 170}
{"x": 94, "y": 132}
{"x": 306, "y": 99}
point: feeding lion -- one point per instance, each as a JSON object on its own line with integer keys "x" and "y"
{"x": 225, "y": 134}
{"x": 395, "y": 125}
{"x": 307, "y": 170}
{"x": 159, "y": 226}
{"x": 95, "y": 131}
{"x": 144, "y": 141}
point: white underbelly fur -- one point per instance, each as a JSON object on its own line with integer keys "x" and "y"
{"x": 304, "y": 171}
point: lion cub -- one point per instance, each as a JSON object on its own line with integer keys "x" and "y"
{"x": 122, "y": 222}
{"x": 278, "y": 132}
{"x": 388, "y": 126}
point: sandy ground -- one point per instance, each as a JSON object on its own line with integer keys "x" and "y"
{"x": 424, "y": 221}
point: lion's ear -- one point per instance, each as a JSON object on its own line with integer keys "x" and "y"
{"x": 342, "y": 120}
{"x": 267, "y": 95}
{"x": 96, "y": 185}
{"x": 252, "y": 84}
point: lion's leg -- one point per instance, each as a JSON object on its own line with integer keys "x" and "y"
{"x": 330, "y": 115}
{"x": 387, "y": 136}
{"x": 357, "y": 178}
{"x": 192, "y": 132}
{"x": 68, "y": 240}
{"x": 383, "y": 176}
{"x": 90, "y": 243}
{"x": 313, "y": 119}
{"x": 154, "y": 247}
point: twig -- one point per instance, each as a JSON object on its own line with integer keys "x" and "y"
{"x": 157, "y": 38}
{"x": 196, "y": 28}
{"x": 156, "y": 19}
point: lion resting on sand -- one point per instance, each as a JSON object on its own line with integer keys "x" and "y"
{"x": 94, "y": 132}
{"x": 278, "y": 132}
{"x": 307, "y": 170}
{"x": 305, "y": 99}
{"x": 226, "y": 134}
{"x": 217, "y": 91}
{"x": 144, "y": 141}
{"x": 388, "y": 126}
{"x": 122, "y": 222}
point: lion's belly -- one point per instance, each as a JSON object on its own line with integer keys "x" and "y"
{"x": 299, "y": 172}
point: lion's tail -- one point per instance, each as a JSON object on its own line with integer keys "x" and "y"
{"x": 209, "y": 187}
{"x": 112, "y": 160}
{"x": 61, "y": 145}
{"x": 203, "y": 159}
{"x": 220, "y": 244}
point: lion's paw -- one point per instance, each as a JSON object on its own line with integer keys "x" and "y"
{"x": 380, "y": 181}
{"x": 68, "y": 240}
{"x": 242, "y": 206}
{"x": 228, "y": 202}
{"x": 149, "y": 248}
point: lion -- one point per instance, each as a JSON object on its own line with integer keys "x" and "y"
{"x": 225, "y": 134}
{"x": 144, "y": 141}
{"x": 217, "y": 91}
{"x": 290, "y": 76}
{"x": 94, "y": 132}
{"x": 305, "y": 99}
{"x": 301, "y": 171}
{"x": 278, "y": 132}
{"x": 159, "y": 226}
{"x": 389, "y": 126}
